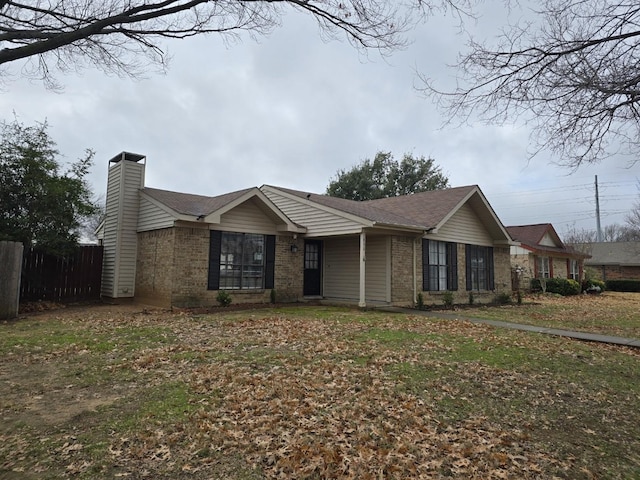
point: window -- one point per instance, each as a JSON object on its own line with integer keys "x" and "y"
{"x": 574, "y": 270}
{"x": 439, "y": 266}
{"x": 241, "y": 261}
{"x": 479, "y": 267}
{"x": 542, "y": 265}
{"x": 311, "y": 256}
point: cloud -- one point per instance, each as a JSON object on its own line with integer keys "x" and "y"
{"x": 291, "y": 110}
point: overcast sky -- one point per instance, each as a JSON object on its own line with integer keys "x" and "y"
{"x": 291, "y": 110}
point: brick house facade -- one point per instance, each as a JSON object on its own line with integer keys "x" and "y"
{"x": 541, "y": 254}
{"x": 177, "y": 249}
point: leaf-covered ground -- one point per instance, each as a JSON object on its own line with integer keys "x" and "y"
{"x": 609, "y": 313}
{"x": 309, "y": 392}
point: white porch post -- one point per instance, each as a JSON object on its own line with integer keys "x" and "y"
{"x": 363, "y": 270}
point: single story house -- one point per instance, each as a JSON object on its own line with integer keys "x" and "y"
{"x": 541, "y": 254}
{"x": 178, "y": 249}
{"x": 613, "y": 260}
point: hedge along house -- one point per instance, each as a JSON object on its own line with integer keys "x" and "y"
{"x": 303, "y": 245}
{"x": 541, "y": 254}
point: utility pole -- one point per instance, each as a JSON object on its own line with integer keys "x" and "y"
{"x": 599, "y": 229}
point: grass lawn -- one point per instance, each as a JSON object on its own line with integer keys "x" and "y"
{"x": 311, "y": 392}
{"x": 610, "y": 313}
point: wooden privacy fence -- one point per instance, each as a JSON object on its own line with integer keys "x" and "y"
{"x": 71, "y": 278}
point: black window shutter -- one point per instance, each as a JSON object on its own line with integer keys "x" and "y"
{"x": 452, "y": 266}
{"x": 468, "y": 251}
{"x": 215, "y": 246}
{"x": 490, "y": 268}
{"x": 425, "y": 265}
{"x": 270, "y": 261}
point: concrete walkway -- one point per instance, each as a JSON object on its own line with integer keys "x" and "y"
{"x": 589, "y": 337}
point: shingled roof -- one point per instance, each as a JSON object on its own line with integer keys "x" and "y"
{"x": 423, "y": 210}
{"x": 613, "y": 253}
{"x": 530, "y": 237}
{"x": 188, "y": 204}
{"x": 367, "y": 210}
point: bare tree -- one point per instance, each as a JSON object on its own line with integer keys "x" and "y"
{"x": 117, "y": 35}
{"x": 633, "y": 219}
{"x": 572, "y": 73}
{"x": 574, "y": 235}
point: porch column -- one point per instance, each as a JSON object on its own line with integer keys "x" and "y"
{"x": 363, "y": 270}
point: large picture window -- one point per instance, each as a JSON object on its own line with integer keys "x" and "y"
{"x": 479, "y": 267}
{"x": 439, "y": 266}
{"x": 241, "y": 261}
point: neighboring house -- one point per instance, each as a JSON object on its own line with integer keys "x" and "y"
{"x": 613, "y": 260}
{"x": 541, "y": 254}
{"x": 178, "y": 249}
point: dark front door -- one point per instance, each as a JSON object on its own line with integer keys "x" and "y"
{"x": 312, "y": 267}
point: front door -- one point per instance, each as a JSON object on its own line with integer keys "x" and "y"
{"x": 312, "y": 268}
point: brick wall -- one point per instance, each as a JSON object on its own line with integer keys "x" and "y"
{"x": 615, "y": 272}
{"x": 501, "y": 272}
{"x": 502, "y": 269}
{"x": 154, "y": 267}
{"x": 559, "y": 267}
{"x": 402, "y": 289}
{"x": 191, "y": 268}
{"x": 525, "y": 262}
{"x": 289, "y": 269}
{"x": 173, "y": 270}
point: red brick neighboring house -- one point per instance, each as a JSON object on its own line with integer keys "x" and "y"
{"x": 613, "y": 260}
{"x": 541, "y": 254}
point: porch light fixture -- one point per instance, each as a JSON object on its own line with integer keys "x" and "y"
{"x": 294, "y": 248}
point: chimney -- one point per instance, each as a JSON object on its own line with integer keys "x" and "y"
{"x": 120, "y": 242}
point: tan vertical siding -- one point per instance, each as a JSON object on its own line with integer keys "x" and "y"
{"x": 377, "y": 282}
{"x": 342, "y": 268}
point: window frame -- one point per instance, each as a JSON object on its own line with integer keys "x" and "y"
{"x": 237, "y": 269}
{"x": 219, "y": 261}
{"x": 446, "y": 263}
{"x": 480, "y": 277}
{"x": 541, "y": 272}
{"x": 571, "y": 273}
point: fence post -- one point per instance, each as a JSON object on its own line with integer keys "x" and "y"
{"x": 10, "y": 270}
